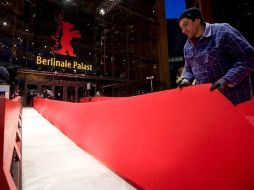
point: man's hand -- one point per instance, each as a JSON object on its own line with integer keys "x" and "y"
{"x": 184, "y": 82}
{"x": 220, "y": 84}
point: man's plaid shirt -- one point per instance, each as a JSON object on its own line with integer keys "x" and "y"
{"x": 222, "y": 52}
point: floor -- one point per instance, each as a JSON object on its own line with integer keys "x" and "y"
{"x": 51, "y": 161}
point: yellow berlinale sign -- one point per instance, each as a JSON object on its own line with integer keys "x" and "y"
{"x": 53, "y": 62}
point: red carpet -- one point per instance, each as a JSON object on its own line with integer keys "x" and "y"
{"x": 187, "y": 139}
{"x": 247, "y": 109}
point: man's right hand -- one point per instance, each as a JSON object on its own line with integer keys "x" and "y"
{"x": 183, "y": 83}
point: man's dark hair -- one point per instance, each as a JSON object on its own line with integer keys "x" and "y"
{"x": 191, "y": 13}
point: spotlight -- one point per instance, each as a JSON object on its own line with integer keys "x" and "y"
{"x": 150, "y": 77}
{"x": 102, "y": 12}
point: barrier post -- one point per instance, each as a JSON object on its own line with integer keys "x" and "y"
{"x": 10, "y": 144}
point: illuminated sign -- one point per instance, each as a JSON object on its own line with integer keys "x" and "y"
{"x": 53, "y": 62}
{"x": 60, "y": 44}
{"x": 64, "y": 42}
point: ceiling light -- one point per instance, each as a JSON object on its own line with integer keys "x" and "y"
{"x": 102, "y": 12}
{"x": 106, "y": 6}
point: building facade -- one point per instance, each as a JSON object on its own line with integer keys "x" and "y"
{"x": 78, "y": 47}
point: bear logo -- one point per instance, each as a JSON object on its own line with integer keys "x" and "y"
{"x": 65, "y": 42}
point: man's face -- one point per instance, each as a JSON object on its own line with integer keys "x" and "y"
{"x": 189, "y": 27}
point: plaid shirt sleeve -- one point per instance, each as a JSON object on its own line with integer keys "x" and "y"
{"x": 243, "y": 52}
{"x": 188, "y": 73}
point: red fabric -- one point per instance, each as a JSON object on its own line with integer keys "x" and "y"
{"x": 177, "y": 139}
{"x": 102, "y": 98}
{"x": 247, "y": 109}
{"x": 97, "y": 98}
{"x": 9, "y": 139}
{"x": 84, "y": 99}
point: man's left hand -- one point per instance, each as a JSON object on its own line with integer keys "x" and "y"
{"x": 220, "y": 84}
